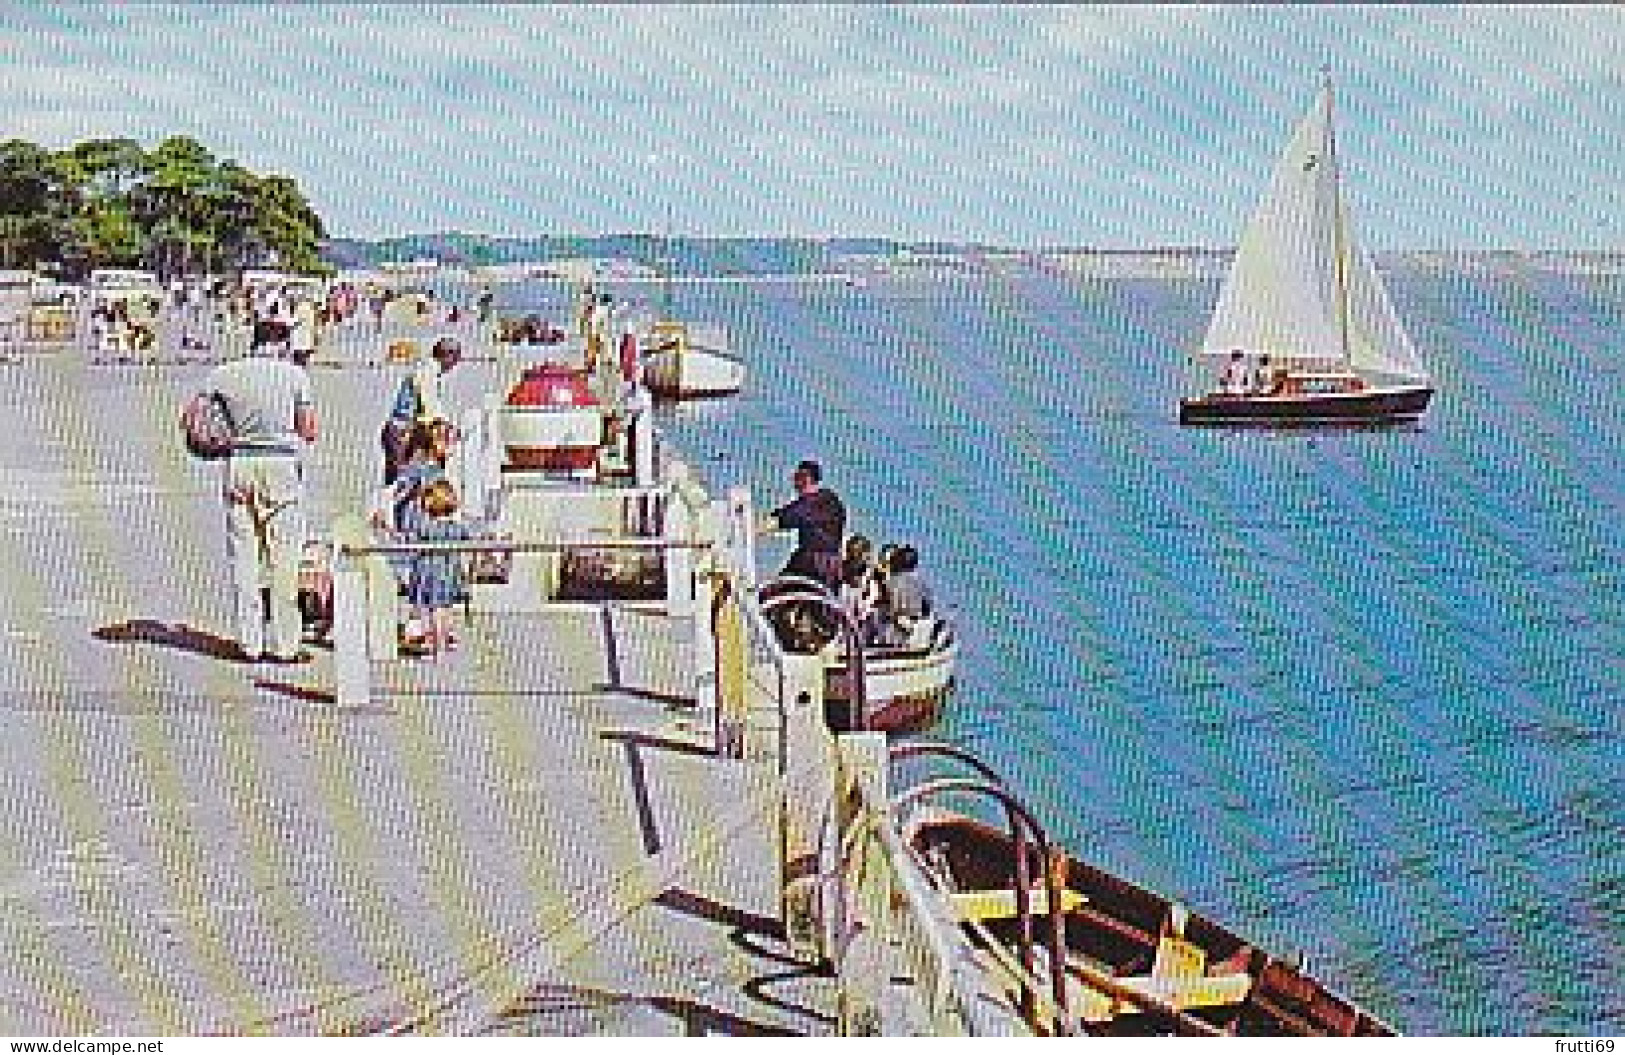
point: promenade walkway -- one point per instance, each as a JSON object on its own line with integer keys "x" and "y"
{"x": 530, "y": 836}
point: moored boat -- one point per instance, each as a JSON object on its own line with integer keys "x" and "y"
{"x": 905, "y": 686}
{"x": 1134, "y": 962}
{"x": 681, "y": 361}
{"x": 1304, "y": 325}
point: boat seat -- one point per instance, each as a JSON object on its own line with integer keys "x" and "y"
{"x": 926, "y": 636}
{"x": 982, "y": 906}
{"x": 1092, "y": 1005}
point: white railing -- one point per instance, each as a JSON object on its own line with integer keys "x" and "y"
{"x": 901, "y": 965}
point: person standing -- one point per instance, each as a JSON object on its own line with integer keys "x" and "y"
{"x": 438, "y": 579}
{"x": 1234, "y": 380}
{"x": 304, "y": 330}
{"x": 273, "y": 415}
{"x": 818, "y": 518}
{"x": 418, "y": 399}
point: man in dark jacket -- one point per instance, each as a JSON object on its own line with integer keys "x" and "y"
{"x": 819, "y": 520}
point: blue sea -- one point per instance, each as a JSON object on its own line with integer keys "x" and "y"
{"x": 1355, "y": 694}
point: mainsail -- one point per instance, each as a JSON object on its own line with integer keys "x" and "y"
{"x": 1299, "y": 287}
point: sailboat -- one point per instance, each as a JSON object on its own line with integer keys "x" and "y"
{"x": 1304, "y": 330}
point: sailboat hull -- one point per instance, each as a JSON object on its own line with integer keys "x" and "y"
{"x": 1330, "y": 408}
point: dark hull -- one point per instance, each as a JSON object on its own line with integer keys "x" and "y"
{"x": 1378, "y": 405}
{"x": 1116, "y": 928}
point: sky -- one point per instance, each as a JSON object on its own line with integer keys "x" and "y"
{"x": 1119, "y": 126}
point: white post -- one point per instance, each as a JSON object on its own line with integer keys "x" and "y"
{"x": 494, "y": 452}
{"x": 352, "y": 660}
{"x": 643, "y": 440}
{"x": 863, "y": 886}
{"x": 703, "y": 642}
{"x": 680, "y": 561}
{"x": 741, "y": 521}
{"x": 471, "y": 459}
{"x": 806, "y": 807}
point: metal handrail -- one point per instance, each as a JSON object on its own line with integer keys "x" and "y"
{"x": 1021, "y": 822}
{"x": 510, "y": 546}
{"x": 799, "y": 581}
{"x": 911, "y": 748}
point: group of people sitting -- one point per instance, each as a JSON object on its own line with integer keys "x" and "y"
{"x": 1243, "y": 378}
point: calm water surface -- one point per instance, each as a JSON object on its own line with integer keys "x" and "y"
{"x": 1355, "y": 693}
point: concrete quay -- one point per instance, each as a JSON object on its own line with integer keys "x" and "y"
{"x": 533, "y": 835}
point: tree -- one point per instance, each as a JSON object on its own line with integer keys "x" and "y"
{"x": 178, "y": 209}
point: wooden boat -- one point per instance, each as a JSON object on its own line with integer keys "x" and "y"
{"x": 1304, "y": 326}
{"x": 686, "y": 362}
{"x": 1135, "y": 962}
{"x": 907, "y": 686}
{"x": 551, "y": 422}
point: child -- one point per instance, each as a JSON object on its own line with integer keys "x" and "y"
{"x": 437, "y": 582}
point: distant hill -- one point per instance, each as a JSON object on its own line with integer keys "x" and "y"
{"x": 686, "y": 255}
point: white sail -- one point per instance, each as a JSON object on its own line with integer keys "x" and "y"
{"x": 1378, "y": 346}
{"x": 1280, "y": 297}
{"x": 1300, "y": 287}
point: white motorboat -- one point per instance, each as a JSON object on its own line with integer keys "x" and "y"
{"x": 681, "y": 361}
{"x": 906, "y": 686}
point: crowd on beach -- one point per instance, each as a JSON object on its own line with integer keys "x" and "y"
{"x": 219, "y": 316}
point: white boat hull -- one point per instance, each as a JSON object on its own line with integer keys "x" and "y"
{"x": 690, "y": 362}
{"x": 694, "y": 373}
{"x": 906, "y": 688}
{"x": 551, "y": 439}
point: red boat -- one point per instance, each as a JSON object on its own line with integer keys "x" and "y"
{"x": 551, "y": 422}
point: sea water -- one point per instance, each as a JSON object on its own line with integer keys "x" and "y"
{"x": 1354, "y": 694}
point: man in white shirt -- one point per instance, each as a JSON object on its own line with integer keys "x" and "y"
{"x": 273, "y": 414}
{"x": 304, "y": 330}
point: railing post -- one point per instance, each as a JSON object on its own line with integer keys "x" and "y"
{"x": 471, "y": 458}
{"x": 643, "y": 439}
{"x": 728, "y": 635}
{"x": 679, "y": 527}
{"x": 863, "y": 966}
{"x": 805, "y": 804}
{"x": 740, "y": 519}
{"x": 352, "y": 660}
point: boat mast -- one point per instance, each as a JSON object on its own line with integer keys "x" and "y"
{"x": 666, "y": 261}
{"x": 1339, "y": 238}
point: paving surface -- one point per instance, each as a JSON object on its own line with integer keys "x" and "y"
{"x": 528, "y": 837}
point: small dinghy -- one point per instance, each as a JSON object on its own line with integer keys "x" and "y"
{"x": 906, "y": 685}
{"x": 688, "y": 362}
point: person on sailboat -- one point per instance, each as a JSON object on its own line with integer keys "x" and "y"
{"x": 1234, "y": 381}
{"x": 1266, "y": 379}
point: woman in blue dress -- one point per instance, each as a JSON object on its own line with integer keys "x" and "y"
{"x": 437, "y": 580}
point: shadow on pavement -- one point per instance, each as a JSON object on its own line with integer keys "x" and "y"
{"x": 177, "y": 636}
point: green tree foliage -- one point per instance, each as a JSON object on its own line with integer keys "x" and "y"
{"x": 176, "y": 209}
